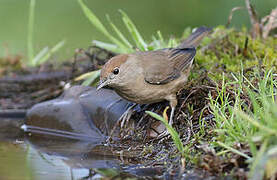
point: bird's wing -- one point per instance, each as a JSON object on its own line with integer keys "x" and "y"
{"x": 166, "y": 64}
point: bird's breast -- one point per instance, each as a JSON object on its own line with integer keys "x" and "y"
{"x": 139, "y": 91}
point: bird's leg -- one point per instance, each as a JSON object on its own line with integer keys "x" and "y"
{"x": 171, "y": 116}
{"x": 126, "y": 115}
{"x": 122, "y": 120}
{"x": 173, "y": 104}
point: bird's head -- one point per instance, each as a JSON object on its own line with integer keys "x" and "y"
{"x": 111, "y": 72}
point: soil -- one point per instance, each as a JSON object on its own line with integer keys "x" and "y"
{"x": 21, "y": 87}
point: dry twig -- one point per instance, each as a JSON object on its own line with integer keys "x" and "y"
{"x": 231, "y": 15}
{"x": 256, "y": 26}
{"x": 269, "y": 23}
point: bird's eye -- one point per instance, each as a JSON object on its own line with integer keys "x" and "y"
{"x": 116, "y": 70}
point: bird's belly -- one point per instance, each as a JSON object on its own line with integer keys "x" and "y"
{"x": 144, "y": 93}
{"x": 142, "y": 96}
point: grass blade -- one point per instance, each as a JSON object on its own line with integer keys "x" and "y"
{"x": 160, "y": 36}
{"x": 120, "y": 35}
{"x": 134, "y": 32}
{"x": 172, "y": 42}
{"x": 31, "y": 29}
{"x": 233, "y": 150}
{"x": 92, "y": 18}
{"x": 174, "y": 135}
{"x": 46, "y": 56}
{"x": 90, "y": 77}
{"x": 255, "y": 123}
{"x": 257, "y": 168}
{"x": 41, "y": 54}
{"x": 97, "y": 23}
{"x": 107, "y": 46}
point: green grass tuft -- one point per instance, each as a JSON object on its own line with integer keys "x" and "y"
{"x": 174, "y": 134}
{"x": 45, "y": 53}
{"x": 252, "y": 122}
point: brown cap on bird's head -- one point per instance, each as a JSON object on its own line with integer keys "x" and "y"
{"x": 112, "y": 66}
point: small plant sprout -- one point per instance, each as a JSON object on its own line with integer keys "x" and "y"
{"x": 45, "y": 53}
{"x": 174, "y": 135}
{"x": 89, "y": 77}
{"x": 121, "y": 43}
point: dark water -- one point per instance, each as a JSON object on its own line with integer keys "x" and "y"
{"x": 63, "y": 19}
{"x": 58, "y": 143}
{"x": 22, "y": 161}
{"x": 37, "y": 157}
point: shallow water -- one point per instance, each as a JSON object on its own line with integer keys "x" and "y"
{"x": 33, "y": 156}
{"x": 51, "y": 159}
{"x": 22, "y": 161}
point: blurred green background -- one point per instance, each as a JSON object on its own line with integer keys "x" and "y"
{"x": 56, "y": 20}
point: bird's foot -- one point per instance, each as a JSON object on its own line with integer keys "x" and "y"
{"x": 122, "y": 121}
{"x": 125, "y": 117}
{"x": 163, "y": 134}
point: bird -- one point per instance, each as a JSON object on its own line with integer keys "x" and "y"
{"x": 146, "y": 77}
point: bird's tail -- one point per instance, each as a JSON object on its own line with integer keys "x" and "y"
{"x": 195, "y": 38}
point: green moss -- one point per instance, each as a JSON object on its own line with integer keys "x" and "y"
{"x": 225, "y": 51}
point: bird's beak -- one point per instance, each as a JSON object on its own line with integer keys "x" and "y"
{"x": 102, "y": 83}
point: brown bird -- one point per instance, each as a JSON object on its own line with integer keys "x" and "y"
{"x": 152, "y": 76}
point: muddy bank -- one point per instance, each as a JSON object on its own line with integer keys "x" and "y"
{"x": 22, "y": 87}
